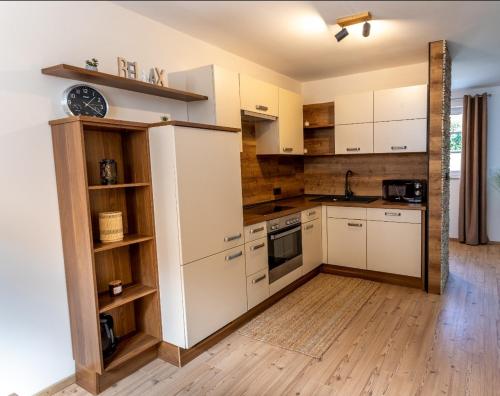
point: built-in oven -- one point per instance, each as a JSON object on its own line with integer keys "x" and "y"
{"x": 284, "y": 241}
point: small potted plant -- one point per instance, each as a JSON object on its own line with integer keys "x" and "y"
{"x": 91, "y": 64}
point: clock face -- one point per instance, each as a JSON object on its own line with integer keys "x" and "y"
{"x": 84, "y": 100}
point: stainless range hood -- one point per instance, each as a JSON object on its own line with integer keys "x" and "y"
{"x": 253, "y": 116}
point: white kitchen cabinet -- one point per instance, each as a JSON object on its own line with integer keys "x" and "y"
{"x": 209, "y": 191}
{"x": 394, "y": 215}
{"x": 312, "y": 254}
{"x": 255, "y": 231}
{"x": 354, "y": 109}
{"x": 258, "y": 96}
{"x": 221, "y": 86}
{"x": 347, "y": 242}
{"x": 215, "y": 293}
{"x": 346, "y": 212}
{"x": 310, "y": 214}
{"x": 406, "y": 136}
{"x": 256, "y": 256}
{"x": 354, "y": 139}
{"x": 257, "y": 288}
{"x": 198, "y": 215}
{"x": 284, "y": 135}
{"x": 403, "y": 103}
{"x": 394, "y": 247}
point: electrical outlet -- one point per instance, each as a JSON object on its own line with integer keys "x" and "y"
{"x": 277, "y": 190}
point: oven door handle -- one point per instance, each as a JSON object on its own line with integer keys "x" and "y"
{"x": 283, "y": 234}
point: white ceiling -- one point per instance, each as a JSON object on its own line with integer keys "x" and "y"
{"x": 296, "y": 38}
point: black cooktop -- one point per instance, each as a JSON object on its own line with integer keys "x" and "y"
{"x": 264, "y": 209}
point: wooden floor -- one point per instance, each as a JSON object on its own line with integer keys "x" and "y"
{"x": 402, "y": 342}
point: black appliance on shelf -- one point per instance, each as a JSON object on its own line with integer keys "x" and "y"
{"x": 108, "y": 339}
{"x": 403, "y": 190}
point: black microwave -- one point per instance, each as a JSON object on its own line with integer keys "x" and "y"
{"x": 411, "y": 191}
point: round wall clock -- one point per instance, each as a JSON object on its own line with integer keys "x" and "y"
{"x": 84, "y": 100}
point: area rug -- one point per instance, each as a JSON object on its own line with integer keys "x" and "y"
{"x": 309, "y": 319}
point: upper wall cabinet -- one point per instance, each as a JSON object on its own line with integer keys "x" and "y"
{"x": 405, "y": 136}
{"x": 354, "y": 139}
{"x": 404, "y": 103}
{"x": 285, "y": 135}
{"x": 221, "y": 86}
{"x": 258, "y": 96}
{"x": 354, "y": 109}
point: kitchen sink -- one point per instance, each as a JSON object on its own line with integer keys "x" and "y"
{"x": 342, "y": 198}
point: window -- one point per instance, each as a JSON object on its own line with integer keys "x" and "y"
{"x": 455, "y": 141}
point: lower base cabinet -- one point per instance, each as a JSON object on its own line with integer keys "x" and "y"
{"x": 312, "y": 253}
{"x": 215, "y": 293}
{"x": 257, "y": 288}
{"x": 394, "y": 248}
{"x": 347, "y": 242}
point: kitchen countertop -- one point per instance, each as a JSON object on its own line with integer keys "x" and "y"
{"x": 253, "y": 215}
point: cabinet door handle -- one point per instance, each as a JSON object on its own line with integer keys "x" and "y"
{"x": 308, "y": 227}
{"x": 260, "y": 278}
{"x": 230, "y": 257}
{"x": 254, "y": 230}
{"x": 355, "y": 224}
{"x": 287, "y": 149}
{"x": 261, "y": 107}
{"x": 312, "y": 213}
{"x": 392, "y": 213}
{"x": 352, "y": 149}
{"x": 232, "y": 237}
{"x": 255, "y": 247}
{"x": 394, "y": 148}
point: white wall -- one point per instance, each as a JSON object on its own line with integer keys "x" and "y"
{"x": 35, "y": 347}
{"x": 325, "y": 90}
{"x": 493, "y": 165}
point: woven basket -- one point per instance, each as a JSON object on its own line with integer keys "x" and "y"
{"x": 110, "y": 226}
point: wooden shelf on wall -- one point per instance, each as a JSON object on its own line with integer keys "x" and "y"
{"x": 110, "y": 80}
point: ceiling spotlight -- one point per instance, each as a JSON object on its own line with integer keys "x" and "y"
{"x": 366, "y": 29}
{"x": 353, "y": 20}
{"x": 342, "y": 34}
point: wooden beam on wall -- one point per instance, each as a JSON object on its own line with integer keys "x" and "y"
{"x": 439, "y": 160}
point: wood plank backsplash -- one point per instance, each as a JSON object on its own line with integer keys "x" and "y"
{"x": 326, "y": 175}
{"x": 297, "y": 175}
{"x": 260, "y": 174}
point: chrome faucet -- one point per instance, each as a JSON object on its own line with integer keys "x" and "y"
{"x": 347, "y": 187}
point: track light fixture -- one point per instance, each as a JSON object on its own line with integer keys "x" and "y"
{"x": 353, "y": 20}
{"x": 341, "y": 35}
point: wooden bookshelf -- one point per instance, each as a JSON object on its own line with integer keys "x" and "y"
{"x": 79, "y": 144}
{"x": 110, "y": 80}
